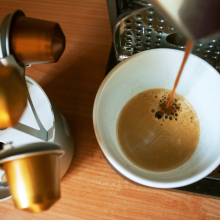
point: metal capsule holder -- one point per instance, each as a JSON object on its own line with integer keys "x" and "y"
{"x": 32, "y": 170}
{"x": 145, "y": 29}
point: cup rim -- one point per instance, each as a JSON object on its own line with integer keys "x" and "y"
{"x": 103, "y": 146}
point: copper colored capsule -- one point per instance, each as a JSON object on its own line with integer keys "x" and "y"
{"x": 34, "y": 181}
{"x": 36, "y": 41}
{"x": 13, "y": 96}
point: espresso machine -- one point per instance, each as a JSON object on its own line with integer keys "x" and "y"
{"x": 139, "y": 25}
{"x": 36, "y": 145}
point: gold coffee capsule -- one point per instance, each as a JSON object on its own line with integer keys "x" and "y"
{"x": 34, "y": 181}
{"x": 36, "y": 41}
{"x": 13, "y": 96}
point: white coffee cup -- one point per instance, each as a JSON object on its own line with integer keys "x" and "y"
{"x": 158, "y": 68}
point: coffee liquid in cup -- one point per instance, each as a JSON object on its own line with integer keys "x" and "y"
{"x": 156, "y": 138}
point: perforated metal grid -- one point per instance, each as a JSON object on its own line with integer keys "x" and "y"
{"x": 145, "y": 29}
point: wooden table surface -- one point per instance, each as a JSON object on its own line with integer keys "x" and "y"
{"x": 91, "y": 189}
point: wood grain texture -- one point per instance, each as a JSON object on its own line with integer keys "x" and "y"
{"x": 91, "y": 189}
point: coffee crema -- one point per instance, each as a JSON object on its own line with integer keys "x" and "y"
{"x": 156, "y": 138}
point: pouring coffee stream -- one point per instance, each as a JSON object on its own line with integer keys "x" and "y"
{"x": 189, "y": 46}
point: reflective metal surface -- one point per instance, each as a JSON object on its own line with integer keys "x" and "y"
{"x": 35, "y": 41}
{"x": 13, "y": 96}
{"x": 34, "y": 181}
{"x": 146, "y": 29}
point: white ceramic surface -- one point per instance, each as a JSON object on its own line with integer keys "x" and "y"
{"x": 157, "y": 68}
